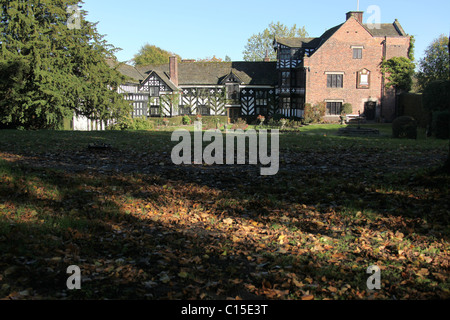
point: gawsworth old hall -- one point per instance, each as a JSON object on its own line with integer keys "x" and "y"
{"x": 341, "y": 66}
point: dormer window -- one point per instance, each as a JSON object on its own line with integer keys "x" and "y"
{"x": 363, "y": 80}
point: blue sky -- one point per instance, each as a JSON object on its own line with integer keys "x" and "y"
{"x": 203, "y": 28}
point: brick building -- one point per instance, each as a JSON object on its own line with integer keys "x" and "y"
{"x": 341, "y": 66}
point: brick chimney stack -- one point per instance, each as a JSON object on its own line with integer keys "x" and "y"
{"x": 358, "y": 15}
{"x": 173, "y": 70}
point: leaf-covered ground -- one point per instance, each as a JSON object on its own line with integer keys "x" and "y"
{"x": 140, "y": 227}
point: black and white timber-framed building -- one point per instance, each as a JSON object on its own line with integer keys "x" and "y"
{"x": 341, "y": 66}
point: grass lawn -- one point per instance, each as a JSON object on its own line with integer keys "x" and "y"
{"x": 140, "y": 227}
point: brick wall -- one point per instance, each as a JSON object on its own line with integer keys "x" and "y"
{"x": 336, "y": 55}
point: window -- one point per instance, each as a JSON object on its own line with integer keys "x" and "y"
{"x": 154, "y": 110}
{"x": 285, "y": 103}
{"x": 334, "y": 108}
{"x": 357, "y": 53}
{"x": 285, "y": 78}
{"x": 298, "y": 103}
{"x": 154, "y": 91}
{"x": 140, "y": 109}
{"x": 232, "y": 91}
{"x": 154, "y": 107}
{"x": 184, "y": 110}
{"x": 335, "y": 80}
{"x": 363, "y": 80}
{"x": 285, "y": 54}
{"x": 261, "y": 98}
{"x": 204, "y": 110}
{"x": 261, "y": 110}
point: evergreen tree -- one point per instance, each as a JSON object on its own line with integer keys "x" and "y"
{"x": 51, "y": 67}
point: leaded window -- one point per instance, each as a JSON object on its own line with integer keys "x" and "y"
{"x": 154, "y": 91}
{"x": 285, "y": 54}
{"x": 286, "y": 103}
{"x": 334, "y": 108}
{"x": 261, "y": 98}
{"x": 204, "y": 110}
{"x": 285, "y": 78}
{"x": 335, "y": 80}
{"x": 184, "y": 110}
{"x": 357, "y": 53}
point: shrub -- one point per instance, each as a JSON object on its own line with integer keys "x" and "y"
{"x": 441, "y": 123}
{"x": 277, "y": 117}
{"x": 347, "y": 108}
{"x": 129, "y": 123}
{"x": 240, "y": 124}
{"x": 186, "y": 120}
{"x": 261, "y": 119}
{"x": 404, "y": 127}
{"x": 314, "y": 114}
{"x": 142, "y": 124}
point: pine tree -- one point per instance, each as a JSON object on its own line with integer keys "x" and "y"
{"x": 48, "y": 69}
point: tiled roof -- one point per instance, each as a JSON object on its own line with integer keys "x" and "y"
{"x": 311, "y": 43}
{"x": 298, "y": 42}
{"x": 387, "y": 30}
{"x": 130, "y": 72}
{"x": 383, "y": 30}
{"x": 212, "y": 73}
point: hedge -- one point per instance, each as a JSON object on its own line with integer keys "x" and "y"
{"x": 441, "y": 124}
{"x": 411, "y": 104}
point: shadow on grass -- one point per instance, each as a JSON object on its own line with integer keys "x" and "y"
{"x": 51, "y": 220}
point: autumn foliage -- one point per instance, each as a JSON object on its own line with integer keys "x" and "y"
{"x": 140, "y": 227}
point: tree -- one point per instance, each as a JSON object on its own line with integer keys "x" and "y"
{"x": 209, "y": 59}
{"x": 435, "y": 64}
{"x": 151, "y": 54}
{"x": 436, "y": 97}
{"x": 260, "y": 44}
{"x": 399, "y": 72}
{"x": 49, "y": 69}
{"x": 446, "y": 166}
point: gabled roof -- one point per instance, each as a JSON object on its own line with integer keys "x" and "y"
{"x": 308, "y": 43}
{"x": 382, "y": 30}
{"x": 212, "y": 73}
{"x": 163, "y": 77}
{"x": 231, "y": 77}
{"x": 386, "y": 30}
